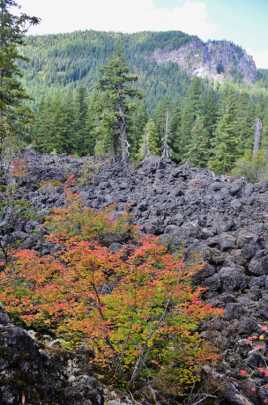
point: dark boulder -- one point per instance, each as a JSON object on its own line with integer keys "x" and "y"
{"x": 28, "y": 374}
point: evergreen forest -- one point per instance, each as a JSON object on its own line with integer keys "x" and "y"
{"x": 205, "y": 123}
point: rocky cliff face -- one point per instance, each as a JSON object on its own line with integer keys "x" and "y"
{"x": 216, "y": 60}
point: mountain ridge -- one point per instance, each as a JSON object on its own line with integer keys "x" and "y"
{"x": 74, "y": 59}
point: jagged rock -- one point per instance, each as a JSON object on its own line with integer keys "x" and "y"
{"x": 28, "y": 374}
{"x": 217, "y": 60}
{"x": 259, "y": 264}
{"x": 233, "y": 311}
{"x": 232, "y": 278}
{"x": 247, "y": 326}
{"x": 226, "y": 242}
{"x": 219, "y": 220}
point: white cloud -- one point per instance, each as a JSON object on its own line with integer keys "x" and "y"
{"x": 119, "y": 15}
{"x": 260, "y": 57}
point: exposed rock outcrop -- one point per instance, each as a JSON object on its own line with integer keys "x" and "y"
{"x": 217, "y": 60}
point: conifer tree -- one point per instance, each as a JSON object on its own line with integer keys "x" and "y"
{"x": 246, "y": 118}
{"x": 198, "y": 150}
{"x": 227, "y": 141}
{"x": 14, "y": 116}
{"x": 159, "y": 118}
{"x": 115, "y": 90}
{"x": 175, "y": 132}
{"x": 191, "y": 109}
{"x": 65, "y": 125}
{"x": 43, "y": 126}
{"x": 81, "y": 130}
{"x": 90, "y": 131}
{"x": 138, "y": 121}
{"x": 149, "y": 144}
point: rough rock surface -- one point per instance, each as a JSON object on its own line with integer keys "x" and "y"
{"x": 217, "y": 60}
{"x": 30, "y": 375}
{"x": 220, "y": 220}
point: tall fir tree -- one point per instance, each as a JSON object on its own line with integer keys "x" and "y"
{"x": 116, "y": 92}
{"x": 149, "y": 145}
{"x": 192, "y": 107}
{"x": 14, "y": 116}
{"x": 227, "y": 141}
{"x": 81, "y": 117}
{"x": 175, "y": 131}
{"x": 198, "y": 149}
{"x": 138, "y": 120}
{"x": 159, "y": 118}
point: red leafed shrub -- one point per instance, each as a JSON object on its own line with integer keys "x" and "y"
{"x": 76, "y": 220}
{"x": 135, "y": 308}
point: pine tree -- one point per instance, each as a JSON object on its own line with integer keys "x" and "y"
{"x": 90, "y": 130}
{"x": 198, "y": 149}
{"x": 81, "y": 130}
{"x": 138, "y": 121}
{"x": 149, "y": 144}
{"x": 14, "y": 117}
{"x": 65, "y": 125}
{"x": 227, "y": 141}
{"x": 159, "y": 118}
{"x": 115, "y": 91}
{"x": 191, "y": 109}
{"x": 247, "y": 115}
{"x": 43, "y": 127}
{"x": 175, "y": 132}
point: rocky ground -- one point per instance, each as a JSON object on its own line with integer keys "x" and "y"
{"x": 31, "y": 375}
{"x": 222, "y": 221}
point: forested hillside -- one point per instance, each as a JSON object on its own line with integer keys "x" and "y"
{"x": 208, "y": 123}
{"x": 74, "y": 60}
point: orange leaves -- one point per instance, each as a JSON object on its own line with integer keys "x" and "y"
{"x": 37, "y": 269}
{"x": 85, "y": 224}
{"x": 125, "y": 305}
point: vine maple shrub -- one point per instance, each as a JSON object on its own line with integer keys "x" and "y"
{"x": 134, "y": 308}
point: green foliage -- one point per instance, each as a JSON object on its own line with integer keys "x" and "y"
{"x": 115, "y": 91}
{"x": 135, "y": 308}
{"x": 149, "y": 145}
{"x": 253, "y": 169}
{"x": 76, "y": 116}
{"x": 90, "y": 169}
{"x": 78, "y": 220}
{"x": 227, "y": 141}
{"x": 14, "y": 116}
{"x": 198, "y": 149}
{"x": 74, "y": 60}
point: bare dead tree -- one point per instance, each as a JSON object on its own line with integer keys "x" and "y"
{"x": 124, "y": 145}
{"x": 257, "y": 137}
{"x": 166, "y": 148}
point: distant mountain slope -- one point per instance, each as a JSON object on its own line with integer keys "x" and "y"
{"x": 163, "y": 60}
{"x": 217, "y": 60}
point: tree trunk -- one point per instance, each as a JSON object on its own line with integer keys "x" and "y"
{"x": 166, "y": 149}
{"x": 257, "y": 137}
{"x": 124, "y": 145}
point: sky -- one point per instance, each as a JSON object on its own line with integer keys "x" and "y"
{"x": 241, "y": 21}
